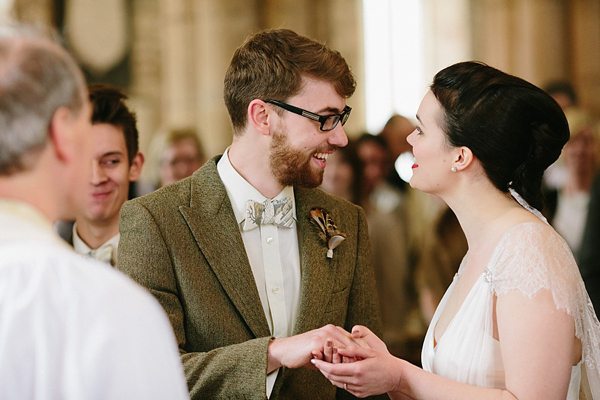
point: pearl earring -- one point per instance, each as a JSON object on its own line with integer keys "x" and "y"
{"x": 453, "y": 169}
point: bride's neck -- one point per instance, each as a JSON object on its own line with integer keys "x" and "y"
{"x": 481, "y": 210}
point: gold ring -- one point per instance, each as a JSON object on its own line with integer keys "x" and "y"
{"x": 345, "y": 387}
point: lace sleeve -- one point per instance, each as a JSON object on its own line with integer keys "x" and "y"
{"x": 532, "y": 257}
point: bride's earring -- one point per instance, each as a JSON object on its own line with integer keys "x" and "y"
{"x": 453, "y": 169}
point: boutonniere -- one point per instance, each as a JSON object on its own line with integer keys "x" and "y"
{"x": 328, "y": 232}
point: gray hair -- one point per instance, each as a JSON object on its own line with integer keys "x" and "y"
{"x": 37, "y": 77}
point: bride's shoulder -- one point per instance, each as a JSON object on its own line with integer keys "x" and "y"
{"x": 532, "y": 254}
{"x": 532, "y": 238}
{"x": 521, "y": 225}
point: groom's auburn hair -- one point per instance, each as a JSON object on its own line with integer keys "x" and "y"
{"x": 270, "y": 65}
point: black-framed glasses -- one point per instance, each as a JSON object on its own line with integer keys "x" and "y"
{"x": 328, "y": 122}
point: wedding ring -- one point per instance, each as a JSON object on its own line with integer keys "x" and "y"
{"x": 345, "y": 387}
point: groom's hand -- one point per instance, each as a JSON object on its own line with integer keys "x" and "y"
{"x": 297, "y": 351}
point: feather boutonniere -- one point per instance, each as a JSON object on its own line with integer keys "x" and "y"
{"x": 328, "y": 232}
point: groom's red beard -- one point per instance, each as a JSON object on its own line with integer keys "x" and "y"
{"x": 292, "y": 167}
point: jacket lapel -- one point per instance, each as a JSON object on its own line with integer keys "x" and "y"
{"x": 211, "y": 220}
{"x": 315, "y": 267}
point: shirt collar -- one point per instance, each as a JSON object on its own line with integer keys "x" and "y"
{"x": 20, "y": 220}
{"x": 240, "y": 191}
{"x": 23, "y": 210}
{"x": 81, "y": 247}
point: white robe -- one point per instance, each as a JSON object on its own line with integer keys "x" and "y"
{"x": 74, "y": 328}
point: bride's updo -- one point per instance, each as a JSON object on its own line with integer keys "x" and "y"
{"x": 514, "y": 128}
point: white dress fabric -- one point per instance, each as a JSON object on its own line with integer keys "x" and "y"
{"x": 73, "y": 328}
{"x": 530, "y": 257}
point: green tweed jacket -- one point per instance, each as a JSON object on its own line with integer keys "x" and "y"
{"x": 183, "y": 243}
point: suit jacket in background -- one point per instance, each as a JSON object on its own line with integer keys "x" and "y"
{"x": 183, "y": 243}
{"x": 589, "y": 253}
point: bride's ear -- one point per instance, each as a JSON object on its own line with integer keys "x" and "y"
{"x": 463, "y": 158}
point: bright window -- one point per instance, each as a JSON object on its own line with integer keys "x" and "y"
{"x": 394, "y": 60}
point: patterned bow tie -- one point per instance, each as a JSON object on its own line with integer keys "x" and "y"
{"x": 275, "y": 212}
{"x": 103, "y": 254}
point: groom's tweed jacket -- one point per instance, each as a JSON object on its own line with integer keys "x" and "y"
{"x": 183, "y": 243}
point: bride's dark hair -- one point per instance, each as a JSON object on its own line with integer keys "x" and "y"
{"x": 513, "y": 127}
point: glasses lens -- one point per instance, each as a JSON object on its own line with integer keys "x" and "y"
{"x": 345, "y": 116}
{"x": 330, "y": 123}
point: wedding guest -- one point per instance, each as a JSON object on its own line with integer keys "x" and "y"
{"x": 343, "y": 175}
{"x": 376, "y": 159}
{"x": 116, "y": 162}
{"x": 388, "y": 219}
{"x": 442, "y": 251}
{"x": 70, "y": 328}
{"x": 567, "y": 207}
{"x": 589, "y": 256}
{"x": 231, "y": 253}
{"x": 181, "y": 155}
{"x": 395, "y": 132}
{"x": 516, "y": 321}
{"x": 173, "y": 154}
{"x": 563, "y": 92}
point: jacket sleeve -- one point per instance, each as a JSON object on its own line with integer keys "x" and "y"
{"x": 232, "y": 371}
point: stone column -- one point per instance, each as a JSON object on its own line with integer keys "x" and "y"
{"x": 345, "y": 34}
{"x": 34, "y": 11}
{"x": 178, "y": 72}
{"x": 220, "y": 27}
{"x": 145, "y": 93}
{"x": 527, "y": 38}
{"x": 584, "y": 32}
{"x": 447, "y": 34}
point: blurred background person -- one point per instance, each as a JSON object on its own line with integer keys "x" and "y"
{"x": 443, "y": 249}
{"x": 116, "y": 163}
{"x": 589, "y": 253}
{"x": 354, "y": 178}
{"x": 556, "y": 176}
{"x": 343, "y": 175}
{"x": 421, "y": 208}
{"x": 563, "y": 92}
{"x": 391, "y": 243}
{"x": 377, "y": 159}
{"x": 395, "y": 132}
{"x": 567, "y": 206}
{"x": 173, "y": 155}
{"x": 181, "y": 156}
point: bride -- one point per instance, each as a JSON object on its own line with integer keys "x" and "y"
{"x": 516, "y": 322}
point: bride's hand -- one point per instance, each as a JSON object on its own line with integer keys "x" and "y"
{"x": 376, "y": 372}
{"x": 367, "y": 339}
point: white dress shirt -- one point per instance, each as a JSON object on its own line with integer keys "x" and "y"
{"x": 72, "y": 328}
{"x": 107, "y": 252}
{"x": 570, "y": 217}
{"x": 273, "y": 255}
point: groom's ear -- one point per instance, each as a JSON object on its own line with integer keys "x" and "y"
{"x": 463, "y": 158}
{"x": 260, "y": 116}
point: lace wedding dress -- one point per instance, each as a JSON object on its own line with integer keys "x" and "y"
{"x": 529, "y": 257}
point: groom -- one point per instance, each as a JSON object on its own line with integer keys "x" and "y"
{"x": 246, "y": 278}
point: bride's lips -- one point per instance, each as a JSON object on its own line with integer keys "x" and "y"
{"x": 415, "y": 166}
